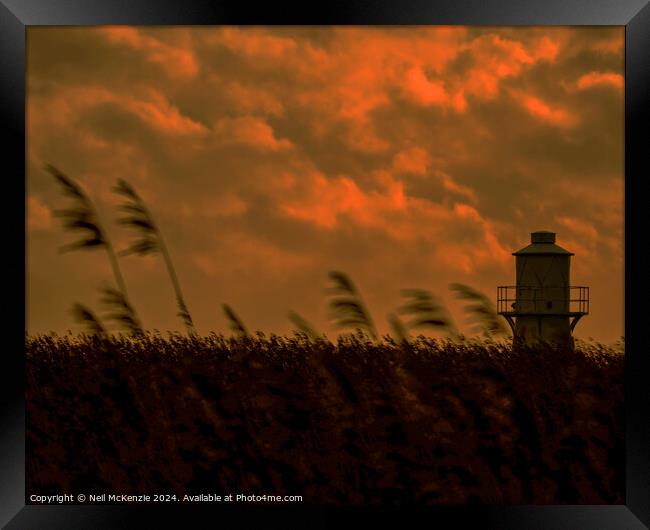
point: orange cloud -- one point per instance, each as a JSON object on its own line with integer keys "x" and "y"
{"x": 323, "y": 201}
{"x": 249, "y": 99}
{"x": 545, "y": 112}
{"x": 483, "y": 248}
{"x": 600, "y": 79}
{"x": 457, "y": 234}
{"x": 151, "y": 107}
{"x": 254, "y": 43}
{"x": 424, "y": 90}
{"x": 497, "y": 58}
{"x": 354, "y": 74}
{"x": 174, "y": 60}
{"x": 609, "y": 46}
{"x": 582, "y": 229}
{"x": 250, "y": 131}
{"x": 461, "y": 239}
{"x": 413, "y": 160}
{"x": 547, "y": 49}
{"x": 162, "y": 115}
{"x": 452, "y": 186}
{"x": 416, "y": 161}
{"x": 357, "y": 72}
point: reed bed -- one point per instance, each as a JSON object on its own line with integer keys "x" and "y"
{"x": 356, "y": 421}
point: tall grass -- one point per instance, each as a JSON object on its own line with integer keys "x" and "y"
{"x": 82, "y": 217}
{"x": 150, "y": 240}
{"x": 350, "y": 422}
{"x": 426, "y": 311}
{"x": 90, "y": 321}
{"x": 236, "y": 323}
{"x": 347, "y": 309}
{"x": 121, "y": 311}
{"x": 302, "y": 326}
{"x": 481, "y": 311}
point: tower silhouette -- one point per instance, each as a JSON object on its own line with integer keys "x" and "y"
{"x": 543, "y": 306}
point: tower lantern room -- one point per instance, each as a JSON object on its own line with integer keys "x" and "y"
{"x": 543, "y": 305}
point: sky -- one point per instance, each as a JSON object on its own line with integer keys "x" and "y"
{"x": 406, "y": 157}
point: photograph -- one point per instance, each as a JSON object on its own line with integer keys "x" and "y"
{"x": 325, "y": 265}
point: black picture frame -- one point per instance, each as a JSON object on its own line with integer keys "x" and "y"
{"x": 17, "y": 15}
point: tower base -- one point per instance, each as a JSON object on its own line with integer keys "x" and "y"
{"x": 536, "y": 329}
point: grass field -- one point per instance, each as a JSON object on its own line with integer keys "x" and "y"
{"x": 351, "y": 422}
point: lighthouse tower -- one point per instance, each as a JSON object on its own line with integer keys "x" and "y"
{"x": 543, "y": 306}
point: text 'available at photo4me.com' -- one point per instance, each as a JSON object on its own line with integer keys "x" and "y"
{"x": 112, "y": 498}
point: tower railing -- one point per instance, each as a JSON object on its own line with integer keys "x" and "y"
{"x": 514, "y": 300}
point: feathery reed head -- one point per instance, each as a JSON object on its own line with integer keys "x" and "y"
{"x": 426, "y": 311}
{"x": 80, "y": 217}
{"x": 302, "y": 325}
{"x": 122, "y": 312}
{"x": 184, "y": 314}
{"x": 149, "y": 240}
{"x": 137, "y": 217}
{"x": 236, "y": 324}
{"x": 347, "y": 310}
{"x": 86, "y": 317}
{"x": 342, "y": 283}
{"x": 481, "y": 311}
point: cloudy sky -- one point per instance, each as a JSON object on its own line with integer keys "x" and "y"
{"x": 406, "y": 157}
